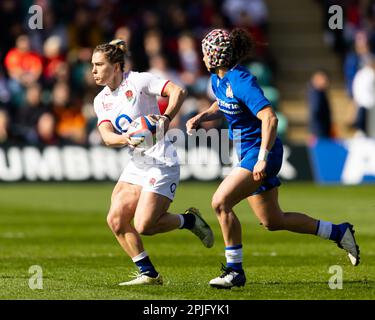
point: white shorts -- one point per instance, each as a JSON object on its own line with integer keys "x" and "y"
{"x": 154, "y": 178}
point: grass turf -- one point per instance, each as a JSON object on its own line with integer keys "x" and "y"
{"x": 62, "y": 228}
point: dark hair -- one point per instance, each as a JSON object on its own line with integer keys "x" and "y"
{"x": 242, "y": 43}
{"x": 115, "y": 51}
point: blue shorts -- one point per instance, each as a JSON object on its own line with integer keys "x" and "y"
{"x": 274, "y": 162}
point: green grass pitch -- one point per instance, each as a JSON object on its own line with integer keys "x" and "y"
{"x": 62, "y": 228}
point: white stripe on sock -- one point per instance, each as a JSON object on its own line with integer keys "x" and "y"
{"x": 182, "y": 220}
{"x": 325, "y": 229}
{"x": 234, "y": 256}
{"x": 141, "y": 256}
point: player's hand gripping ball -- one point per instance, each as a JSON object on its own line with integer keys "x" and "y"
{"x": 142, "y": 132}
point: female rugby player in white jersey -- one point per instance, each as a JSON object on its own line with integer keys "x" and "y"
{"x": 148, "y": 183}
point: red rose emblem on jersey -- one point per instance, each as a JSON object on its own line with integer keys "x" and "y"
{"x": 152, "y": 182}
{"x": 129, "y": 95}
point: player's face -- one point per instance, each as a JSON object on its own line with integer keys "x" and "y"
{"x": 205, "y": 60}
{"x": 102, "y": 69}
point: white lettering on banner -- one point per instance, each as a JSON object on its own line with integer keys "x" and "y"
{"x": 287, "y": 171}
{"x": 226, "y": 170}
{"x": 205, "y": 163}
{"x": 11, "y": 170}
{"x": 104, "y": 163}
{"x": 44, "y": 166}
{"x": 76, "y": 163}
{"x": 360, "y": 161}
{"x": 201, "y": 139}
{"x": 184, "y": 168}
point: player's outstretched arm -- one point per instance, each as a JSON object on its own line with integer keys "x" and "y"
{"x": 212, "y": 113}
{"x": 111, "y": 138}
{"x": 176, "y": 96}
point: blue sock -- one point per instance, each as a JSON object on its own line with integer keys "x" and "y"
{"x": 335, "y": 233}
{"x": 145, "y": 265}
{"x": 233, "y": 255}
{"x": 189, "y": 221}
{"x": 328, "y": 230}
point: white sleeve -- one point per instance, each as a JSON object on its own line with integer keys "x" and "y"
{"x": 153, "y": 84}
{"x": 99, "y": 111}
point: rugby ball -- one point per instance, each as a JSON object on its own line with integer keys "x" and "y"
{"x": 142, "y": 131}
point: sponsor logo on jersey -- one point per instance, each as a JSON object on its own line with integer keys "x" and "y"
{"x": 229, "y": 108}
{"x": 229, "y": 91}
{"x": 173, "y": 187}
{"x": 107, "y": 106}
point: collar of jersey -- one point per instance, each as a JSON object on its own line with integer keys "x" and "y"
{"x": 231, "y": 69}
{"x": 125, "y": 76}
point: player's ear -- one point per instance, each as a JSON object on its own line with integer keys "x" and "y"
{"x": 117, "y": 67}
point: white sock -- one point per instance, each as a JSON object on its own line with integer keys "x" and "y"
{"x": 182, "y": 220}
{"x": 325, "y": 229}
{"x": 141, "y": 256}
{"x": 233, "y": 255}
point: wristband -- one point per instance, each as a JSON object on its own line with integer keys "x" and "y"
{"x": 263, "y": 154}
{"x": 168, "y": 117}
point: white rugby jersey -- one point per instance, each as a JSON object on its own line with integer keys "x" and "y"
{"x": 136, "y": 96}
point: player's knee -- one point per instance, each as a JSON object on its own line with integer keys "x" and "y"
{"x": 114, "y": 222}
{"x": 273, "y": 225}
{"x": 144, "y": 227}
{"x": 219, "y": 203}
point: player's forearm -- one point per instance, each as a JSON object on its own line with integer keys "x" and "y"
{"x": 176, "y": 98}
{"x": 269, "y": 131}
{"x": 211, "y": 113}
{"x": 115, "y": 140}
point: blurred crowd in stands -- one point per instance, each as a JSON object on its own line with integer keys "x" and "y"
{"x": 46, "y": 85}
{"x": 355, "y": 46}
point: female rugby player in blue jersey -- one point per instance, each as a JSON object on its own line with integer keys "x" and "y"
{"x": 252, "y": 127}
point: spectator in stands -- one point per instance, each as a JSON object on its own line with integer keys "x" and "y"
{"x": 364, "y": 98}
{"x": 28, "y": 115}
{"x": 189, "y": 59}
{"x": 46, "y": 130}
{"x": 60, "y": 52}
{"x": 356, "y": 59}
{"x": 4, "y": 126}
{"x": 153, "y": 43}
{"x": 320, "y": 122}
{"x": 256, "y": 9}
{"x": 23, "y": 66}
{"x": 52, "y": 59}
{"x": 71, "y": 124}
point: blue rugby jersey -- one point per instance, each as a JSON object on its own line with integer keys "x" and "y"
{"x": 240, "y": 99}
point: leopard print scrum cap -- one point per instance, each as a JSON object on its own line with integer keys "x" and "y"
{"x": 217, "y": 46}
